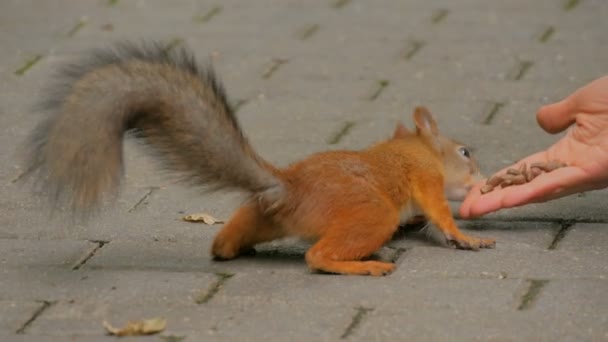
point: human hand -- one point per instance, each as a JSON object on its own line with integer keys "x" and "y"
{"x": 584, "y": 149}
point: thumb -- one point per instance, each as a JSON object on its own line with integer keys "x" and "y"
{"x": 556, "y": 117}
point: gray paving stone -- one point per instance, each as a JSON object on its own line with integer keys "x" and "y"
{"x": 47, "y": 338}
{"x": 395, "y": 291}
{"x": 61, "y": 284}
{"x": 263, "y": 313}
{"x": 14, "y": 314}
{"x": 85, "y": 318}
{"x": 513, "y": 235}
{"x": 128, "y": 218}
{"x": 391, "y": 294}
{"x": 573, "y": 311}
{"x": 463, "y": 324}
{"x": 195, "y": 256}
{"x": 500, "y": 262}
{"x": 250, "y": 321}
{"x": 586, "y": 239}
{"x": 446, "y": 324}
{"x": 162, "y": 255}
{"x": 14, "y": 252}
{"x": 156, "y": 264}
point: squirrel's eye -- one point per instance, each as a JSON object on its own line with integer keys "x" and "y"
{"x": 464, "y": 152}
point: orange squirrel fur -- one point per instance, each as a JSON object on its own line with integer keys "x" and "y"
{"x": 349, "y": 203}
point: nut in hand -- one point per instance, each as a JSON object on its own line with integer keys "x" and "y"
{"x": 521, "y": 175}
{"x": 549, "y": 166}
{"x": 486, "y": 188}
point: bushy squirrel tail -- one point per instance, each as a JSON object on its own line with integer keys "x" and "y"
{"x": 167, "y": 101}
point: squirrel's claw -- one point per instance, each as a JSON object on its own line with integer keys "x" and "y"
{"x": 471, "y": 243}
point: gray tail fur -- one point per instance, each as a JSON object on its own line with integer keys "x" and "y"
{"x": 163, "y": 97}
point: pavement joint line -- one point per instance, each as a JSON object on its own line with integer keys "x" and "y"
{"x": 561, "y": 234}
{"x": 360, "y": 314}
{"x": 80, "y": 263}
{"x": 491, "y": 112}
{"x": 222, "y": 278}
{"x": 534, "y": 289}
{"x": 546, "y": 35}
{"x": 570, "y": 4}
{"x": 521, "y": 69}
{"x": 439, "y": 15}
{"x": 44, "y": 305}
{"x": 274, "y": 66}
{"x": 337, "y": 137}
{"x": 203, "y": 18}
{"x": 82, "y": 22}
{"x": 413, "y": 47}
{"x": 143, "y": 199}
{"x": 308, "y": 31}
{"x": 21, "y": 175}
{"x": 340, "y": 3}
{"x": 28, "y": 65}
{"x": 379, "y": 89}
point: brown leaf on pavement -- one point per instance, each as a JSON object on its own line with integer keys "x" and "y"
{"x": 202, "y": 217}
{"x": 134, "y": 328}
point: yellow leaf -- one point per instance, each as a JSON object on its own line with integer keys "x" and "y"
{"x": 202, "y": 217}
{"x": 133, "y": 328}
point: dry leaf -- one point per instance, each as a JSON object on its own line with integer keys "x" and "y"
{"x": 133, "y": 328}
{"x": 202, "y": 217}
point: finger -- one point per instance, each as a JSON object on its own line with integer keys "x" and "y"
{"x": 484, "y": 204}
{"x": 558, "y": 183}
{"x": 475, "y": 194}
{"x": 472, "y": 197}
{"x": 556, "y": 117}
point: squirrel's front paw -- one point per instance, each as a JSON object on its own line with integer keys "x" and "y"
{"x": 467, "y": 242}
{"x": 224, "y": 249}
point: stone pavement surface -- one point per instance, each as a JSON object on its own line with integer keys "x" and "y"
{"x": 308, "y": 76}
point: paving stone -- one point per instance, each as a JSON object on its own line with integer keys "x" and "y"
{"x": 395, "y": 291}
{"x": 586, "y": 239}
{"x": 572, "y": 311}
{"x": 60, "y": 284}
{"x": 463, "y": 324}
{"x": 513, "y": 235}
{"x": 65, "y": 253}
{"x": 392, "y": 294}
{"x": 500, "y": 262}
{"x": 553, "y": 315}
{"x": 162, "y": 255}
{"x": 14, "y": 314}
{"x": 85, "y": 318}
{"x": 459, "y": 58}
{"x": 195, "y": 256}
{"x": 226, "y": 322}
{"x": 47, "y": 338}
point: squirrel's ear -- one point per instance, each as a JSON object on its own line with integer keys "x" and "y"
{"x": 425, "y": 124}
{"x": 401, "y": 131}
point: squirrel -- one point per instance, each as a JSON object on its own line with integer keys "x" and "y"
{"x": 348, "y": 203}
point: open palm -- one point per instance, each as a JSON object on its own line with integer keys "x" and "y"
{"x": 584, "y": 149}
